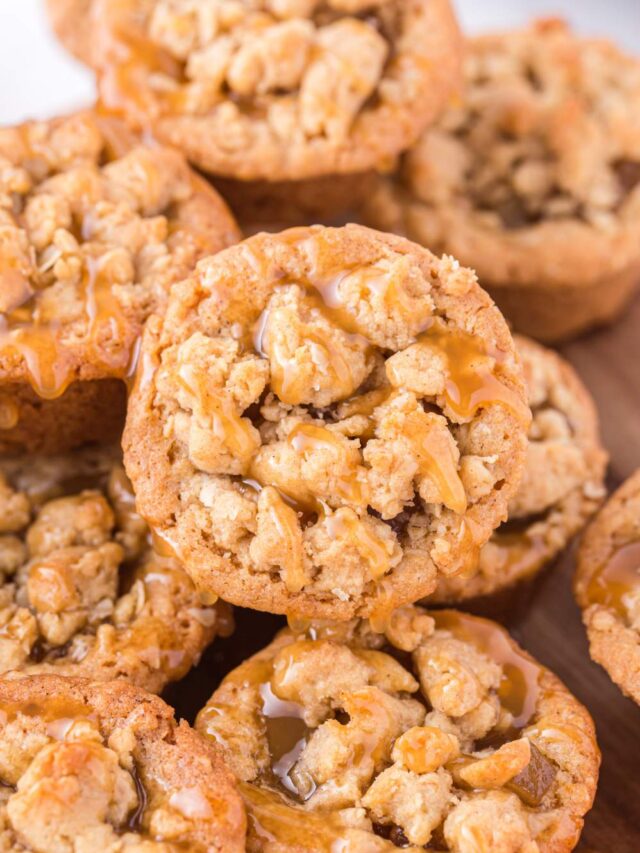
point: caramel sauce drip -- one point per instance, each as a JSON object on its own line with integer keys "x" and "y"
{"x": 49, "y": 360}
{"x": 519, "y": 690}
{"x": 322, "y": 285}
{"x": 436, "y": 461}
{"x": 616, "y": 579}
{"x": 49, "y": 370}
{"x": 273, "y": 820}
{"x": 342, "y": 523}
{"x": 57, "y": 713}
{"x": 307, "y": 506}
{"x": 471, "y": 382}
{"x": 230, "y": 427}
{"x": 221, "y": 412}
{"x": 164, "y": 545}
{"x": 326, "y": 278}
{"x": 134, "y": 823}
{"x": 445, "y": 474}
{"x": 285, "y": 521}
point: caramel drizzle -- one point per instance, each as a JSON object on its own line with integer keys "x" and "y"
{"x": 221, "y": 412}
{"x": 285, "y": 521}
{"x": 616, "y": 579}
{"x": 286, "y": 731}
{"x": 49, "y": 360}
{"x": 273, "y": 820}
{"x": 471, "y": 383}
{"x": 290, "y": 387}
{"x": 57, "y": 713}
{"x": 345, "y": 523}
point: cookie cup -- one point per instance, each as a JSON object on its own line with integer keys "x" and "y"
{"x": 440, "y": 732}
{"x": 607, "y": 587}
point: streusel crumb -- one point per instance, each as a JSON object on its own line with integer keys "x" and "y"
{"x": 82, "y": 592}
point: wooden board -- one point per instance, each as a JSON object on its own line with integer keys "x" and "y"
{"x": 544, "y": 617}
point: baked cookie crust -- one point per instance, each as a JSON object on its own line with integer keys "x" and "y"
{"x": 277, "y": 90}
{"x": 325, "y": 420}
{"x": 82, "y": 591}
{"x": 439, "y": 732}
{"x": 562, "y": 486}
{"x": 106, "y": 765}
{"x": 95, "y": 229}
{"x": 607, "y": 586}
{"x": 91, "y": 411}
{"x": 533, "y": 179}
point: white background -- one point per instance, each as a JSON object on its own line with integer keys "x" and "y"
{"x": 38, "y": 79}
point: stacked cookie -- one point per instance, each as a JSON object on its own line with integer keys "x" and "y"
{"x": 328, "y": 423}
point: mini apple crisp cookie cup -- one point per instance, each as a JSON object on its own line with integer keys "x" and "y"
{"x": 607, "y": 586}
{"x": 82, "y": 593}
{"x": 278, "y": 89}
{"x": 533, "y": 180}
{"x": 105, "y": 767}
{"x": 562, "y": 486}
{"x": 326, "y": 420}
{"x": 440, "y": 733}
{"x": 94, "y": 230}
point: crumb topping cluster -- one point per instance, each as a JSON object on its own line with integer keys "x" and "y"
{"x": 546, "y": 131}
{"x": 306, "y": 68}
{"x": 562, "y": 484}
{"x": 335, "y": 421}
{"x": 439, "y": 732}
{"x": 93, "y": 231}
{"x": 308, "y": 64}
{"x": 82, "y": 592}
